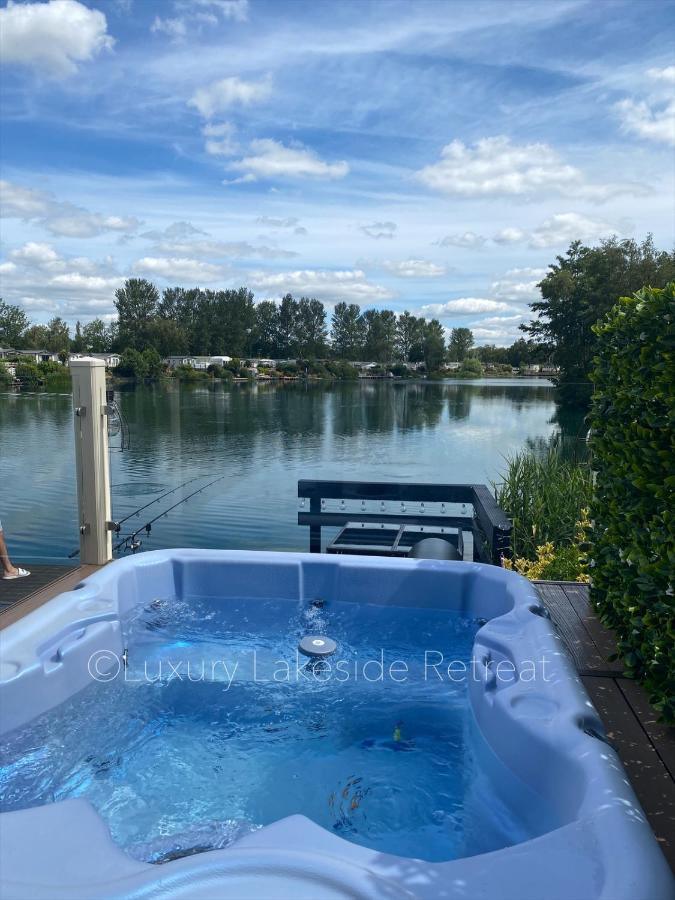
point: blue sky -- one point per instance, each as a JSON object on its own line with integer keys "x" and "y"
{"x": 434, "y": 157}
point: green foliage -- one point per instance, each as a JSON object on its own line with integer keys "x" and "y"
{"x": 434, "y": 346}
{"x": 153, "y": 362}
{"x": 5, "y": 375}
{"x": 461, "y": 341}
{"x": 471, "y": 368}
{"x": 579, "y": 289}
{"x": 132, "y": 364}
{"x": 544, "y": 495}
{"x": 13, "y": 324}
{"x": 632, "y": 538}
{"x": 348, "y": 331}
{"x": 97, "y": 337}
{"x": 400, "y": 370}
{"x": 188, "y": 373}
{"x": 340, "y": 369}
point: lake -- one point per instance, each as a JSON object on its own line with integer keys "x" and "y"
{"x": 262, "y": 438}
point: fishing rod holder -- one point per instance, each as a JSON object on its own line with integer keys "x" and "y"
{"x": 91, "y": 460}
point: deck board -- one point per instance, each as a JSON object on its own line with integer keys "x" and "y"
{"x": 645, "y": 746}
{"x": 22, "y": 595}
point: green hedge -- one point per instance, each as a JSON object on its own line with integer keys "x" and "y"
{"x": 632, "y": 536}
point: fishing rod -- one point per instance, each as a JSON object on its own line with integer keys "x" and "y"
{"x": 157, "y": 499}
{"x": 148, "y": 525}
{"x": 120, "y": 522}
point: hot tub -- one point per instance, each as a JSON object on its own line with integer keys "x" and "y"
{"x": 164, "y": 735}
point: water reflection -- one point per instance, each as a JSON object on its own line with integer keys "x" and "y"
{"x": 263, "y": 437}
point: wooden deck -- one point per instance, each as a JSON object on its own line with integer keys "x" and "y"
{"x": 646, "y": 748}
{"x": 22, "y": 595}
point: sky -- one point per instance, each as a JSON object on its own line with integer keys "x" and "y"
{"x": 434, "y": 157}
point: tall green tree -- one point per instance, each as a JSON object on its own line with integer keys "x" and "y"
{"x": 380, "y": 335}
{"x": 287, "y": 332}
{"x": 266, "y": 329}
{"x": 434, "y": 346}
{"x": 96, "y": 337}
{"x": 312, "y": 334}
{"x": 58, "y": 335}
{"x": 77, "y": 343}
{"x": 579, "y": 289}
{"x": 136, "y": 304}
{"x": 410, "y": 333}
{"x": 347, "y": 331}
{"x": 35, "y": 337}
{"x": 460, "y": 343}
{"x": 13, "y": 324}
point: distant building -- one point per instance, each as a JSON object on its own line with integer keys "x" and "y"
{"x": 111, "y": 359}
{"x": 7, "y": 353}
{"x": 453, "y": 366}
{"x": 38, "y": 355}
{"x": 196, "y": 362}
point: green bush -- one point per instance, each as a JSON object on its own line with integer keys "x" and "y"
{"x": 132, "y": 364}
{"x": 632, "y": 536}
{"x": 338, "y": 368}
{"x": 400, "y": 370}
{"x": 5, "y": 376}
{"x": 189, "y": 373}
{"x": 471, "y": 368}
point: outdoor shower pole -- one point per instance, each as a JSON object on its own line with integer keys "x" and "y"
{"x": 91, "y": 460}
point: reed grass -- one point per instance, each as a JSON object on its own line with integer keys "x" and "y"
{"x": 543, "y": 493}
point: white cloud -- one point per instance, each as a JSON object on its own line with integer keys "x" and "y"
{"x": 469, "y": 240}
{"x": 270, "y": 222}
{"x": 652, "y": 121}
{"x": 78, "y": 281}
{"x": 178, "y": 268}
{"x": 23, "y": 203}
{"x": 350, "y": 285}
{"x": 197, "y": 14}
{"x": 566, "y": 227}
{"x": 562, "y": 228}
{"x": 52, "y": 37}
{"x": 464, "y": 306}
{"x": 379, "y": 230}
{"x": 59, "y": 218}
{"x": 518, "y": 285}
{"x": 176, "y": 29}
{"x": 667, "y": 74}
{"x": 36, "y": 254}
{"x": 228, "y": 92}
{"x": 509, "y": 236}
{"x": 414, "y": 268}
{"x": 271, "y": 159}
{"x": 223, "y": 250}
{"x": 39, "y": 279}
{"x": 220, "y": 139}
{"x": 235, "y": 10}
{"x": 175, "y": 231}
{"x": 497, "y": 166}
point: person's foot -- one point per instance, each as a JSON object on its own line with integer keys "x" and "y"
{"x": 15, "y": 572}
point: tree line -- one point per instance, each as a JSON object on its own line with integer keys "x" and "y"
{"x": 578, "y": 290}
{"x": 191, "y": 321}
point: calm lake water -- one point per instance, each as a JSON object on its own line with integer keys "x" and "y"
{"x": 262, "y": 438}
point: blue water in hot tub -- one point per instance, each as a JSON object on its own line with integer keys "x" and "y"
{"x": 217, "y": 728}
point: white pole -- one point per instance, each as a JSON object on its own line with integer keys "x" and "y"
{"x": 91, "y": 460}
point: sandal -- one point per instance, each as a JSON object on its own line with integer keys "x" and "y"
{"x": 20, "y": 573}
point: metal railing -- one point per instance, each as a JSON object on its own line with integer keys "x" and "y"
{"x": 335, "y": 503}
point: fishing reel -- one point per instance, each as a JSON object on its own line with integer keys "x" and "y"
{"x": 117, "y": 424}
